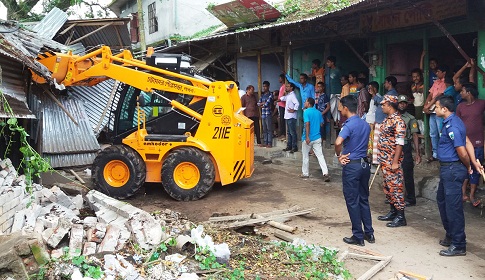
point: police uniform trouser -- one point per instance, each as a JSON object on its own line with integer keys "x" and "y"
{"x": 393, "y": 186}
{"x": 355, "y": 180}
{"x": 408, "y": 171}
{"x": 450, "y": 205}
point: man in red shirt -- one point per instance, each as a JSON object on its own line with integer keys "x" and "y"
{"x": 470, "y": 111}
{"x": 435, "y": 122}
{"x": 250, "y": 102}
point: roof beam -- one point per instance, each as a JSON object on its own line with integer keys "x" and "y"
{"x": 90, "y": 33}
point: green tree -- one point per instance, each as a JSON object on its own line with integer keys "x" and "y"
{"x": 22, "y": 10}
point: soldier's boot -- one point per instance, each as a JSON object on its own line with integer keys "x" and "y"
{"x": 389, "y": 216}
{"x": 399, "y": 220}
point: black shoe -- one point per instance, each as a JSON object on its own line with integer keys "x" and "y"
{"x": 399, "y": 221}
{"x": 410, "y": 203}
{"x": 453, "y": 251}
{"x": 294, "y": 150}
{"x": 353, "y": 241}
{"x": 286, "y": 149}
{"x": 446, "y": 242}
{"x": 389, "y": 216}
{"x": 370, "y": 238}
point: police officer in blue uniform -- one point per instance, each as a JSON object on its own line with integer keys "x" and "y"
{"x": 454, "y": 169}
{"x": 354, "y": 137}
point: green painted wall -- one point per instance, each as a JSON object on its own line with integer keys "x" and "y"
{"x": 481, "y": 62}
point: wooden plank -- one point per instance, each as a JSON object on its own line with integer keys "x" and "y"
{"x": 414, "y": 275}
{"x": 376, "y": 268}
{"x": 90, "y": 33}
{"x": 77, "y": 176}
{"x": 343, "y": 256}
{"x": 248, "y": 216}
{"x": 265, "y": 219}
{"x": 365, "y": 251}
{"x": 367, "y": 257}
{"x": 278, "y": 225}
{"x": 285, "y": 236}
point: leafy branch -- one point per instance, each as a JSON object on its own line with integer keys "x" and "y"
{"x": 32, "y": 163}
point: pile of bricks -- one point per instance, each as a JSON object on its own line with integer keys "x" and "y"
{"x": 13, "y": 197}
{"x": 51, "y": 216}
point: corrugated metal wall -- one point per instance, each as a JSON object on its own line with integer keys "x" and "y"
{"x": 63, "y": 142}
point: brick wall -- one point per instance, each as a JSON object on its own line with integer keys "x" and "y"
{"x": 13, "y": 197}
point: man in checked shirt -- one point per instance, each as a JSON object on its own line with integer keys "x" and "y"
{"x": 390, "y": 156}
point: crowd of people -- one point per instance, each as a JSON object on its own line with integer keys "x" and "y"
{"x": 381, "y": 132}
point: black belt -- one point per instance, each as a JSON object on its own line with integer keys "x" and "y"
{"x": 359, "y": 160}
{"x": 447, "y": 163}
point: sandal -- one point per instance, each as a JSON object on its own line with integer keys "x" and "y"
{"x": 431, "y": 159}
{"x": 476, "y": 202}
{"x": 304, "y": 176}
{"x": 465, "y": 198}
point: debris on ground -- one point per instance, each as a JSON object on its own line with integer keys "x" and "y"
{"x": 406, "y": 275}
{"x": 49, "y": 233}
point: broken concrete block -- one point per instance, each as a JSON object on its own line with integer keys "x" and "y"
{"x": 1, "y": 181}
{"x": 90, "y": 222}
{"x": 57, "y": 253}
{"x": 146, "y": 231}
{"x": 3, "y": 173}
{"x": 97, "y": 233}
{"x": 49, "y": 221}
{"x": 18, "y": 221}
{"x": 40, "y": 252}
{"x": 76, "y": 240}
{"x": 63, "y": 212}
{"x": 125, "y": 235}
{"x": 46, "y": 234}
{"x": 8, "y": 180}
{"x": 61, "y": 230}
{"x": 110, "y": 239}
{"x": 31, "y": 215}
{"x": 106, "y": 216}
{"x": 78, "y": 201}
{"x": 62, "y": 198}
{"x": 30, "y": 265}
{"x": 39, "y": 226}
{"x": 89, "y": 248}
{"x": 48, "y": 194}
{"x": 4, "y": 163}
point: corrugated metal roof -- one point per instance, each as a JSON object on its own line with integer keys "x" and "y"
{"x": 12, "y": 85}
{"x": 271, "y": 25}
{"x": 51, "y": 23}
{"x": 114, "y": 33}
{"x": 64, "y": 142}
{"x": 95, "y": 100}
{"x": 22, "y": 46}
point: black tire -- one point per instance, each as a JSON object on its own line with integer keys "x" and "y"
{"x": 197, "y": 159}
{"x": 134, "y": 167}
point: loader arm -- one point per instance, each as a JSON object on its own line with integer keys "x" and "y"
{"x": 101, "y": 64}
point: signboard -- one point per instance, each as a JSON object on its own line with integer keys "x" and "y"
{"x": 242, "y": 12}
{"x": 398, "y": 18}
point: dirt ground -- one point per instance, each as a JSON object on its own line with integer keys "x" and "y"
{"x": 273, "y": 186}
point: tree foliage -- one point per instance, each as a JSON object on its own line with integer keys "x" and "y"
{"x": 23, "y": 10}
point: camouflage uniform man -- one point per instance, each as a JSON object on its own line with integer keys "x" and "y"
{"x": 390, "y": 156}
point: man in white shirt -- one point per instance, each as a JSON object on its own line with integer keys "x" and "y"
{"x": 291, "y": 109}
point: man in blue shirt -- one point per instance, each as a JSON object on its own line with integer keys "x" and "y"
{"x": 265, "y": 103}
{"x": 311, "y": 139}
{"x": 454, "y": 169}
{"x": 306, "y": 90}
{"x": 354, "y": 137}
{"x": 450, "y": 90}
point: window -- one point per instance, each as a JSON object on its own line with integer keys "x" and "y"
{"x": 152, "y": 18}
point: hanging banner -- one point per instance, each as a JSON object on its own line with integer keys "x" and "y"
{"x": 399, "y": 18}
